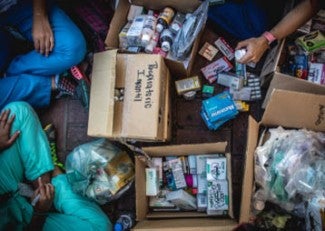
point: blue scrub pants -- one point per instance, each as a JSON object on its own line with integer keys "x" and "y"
{"x": 28, "y": 76}
{"x": 29, "y": 157}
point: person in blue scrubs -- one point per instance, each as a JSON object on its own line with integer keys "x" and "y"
{"x": 58, "y": 45}
{"x": 25, "y": 155}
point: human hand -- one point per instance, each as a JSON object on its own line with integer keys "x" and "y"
{"x": 42, "y": 35}
{"x": 5, "y": 126}
{"x": 255, "y": 48}
{"x": 45, "y": 194}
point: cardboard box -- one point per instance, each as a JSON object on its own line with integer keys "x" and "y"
{"x": 288, "y": 109}
{"x": 119, "y": 19}
{"x": 271, "y": 74}
{"x": 152, "y": 221}
{"x": 144, "y": 113}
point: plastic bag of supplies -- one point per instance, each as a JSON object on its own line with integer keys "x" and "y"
{"x": 99, "y": 170}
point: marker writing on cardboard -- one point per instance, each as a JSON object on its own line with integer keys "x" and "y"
{"x": 137, "y": 88}
{"x": 149, "y": 84}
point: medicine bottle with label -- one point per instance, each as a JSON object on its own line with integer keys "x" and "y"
{"x": 165, "y": 19}
{"x": 166, "y": 40}
{"x": 148, "y": 28}
{"x": 177, "y": 23}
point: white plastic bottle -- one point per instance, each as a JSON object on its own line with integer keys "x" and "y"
{"x": 148, "y": 28}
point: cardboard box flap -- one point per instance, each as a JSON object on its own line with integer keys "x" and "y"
{"x": 207, "y": 148}
{"x": 272, "y": 59}
{"x": 202, "y": 224}
{"x": 294, "y": 109}
{"x": 140, "y": 197}
{"x": 247, "y": 186}
{"x": 182, "y": 6}
{"x": 100, "y": 122}
{"x": 287, "y": 82}
{"x": 116, "y": 24}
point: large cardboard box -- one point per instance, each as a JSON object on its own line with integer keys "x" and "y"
{"x": 186, "y": 221}
{"x": 144, "y": 112}
{"x": 271, "y": 75}
{"x": 288, "y": 109}
{"x": 119, "y": 19}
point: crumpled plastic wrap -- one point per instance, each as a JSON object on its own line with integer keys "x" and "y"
{"x": 290, "y": 169}
{"x": 99, "y": 170}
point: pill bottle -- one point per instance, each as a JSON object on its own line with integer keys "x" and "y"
{"x": 165, "y": 19}
{"x": 166, "y": 40}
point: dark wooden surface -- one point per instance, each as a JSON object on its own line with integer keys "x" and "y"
{"x": 70, "y": 120}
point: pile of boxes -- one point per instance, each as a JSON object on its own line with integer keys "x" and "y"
{"x": 188, "y": 186}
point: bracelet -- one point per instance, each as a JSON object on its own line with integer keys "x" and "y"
{"x": 269, "y": 37}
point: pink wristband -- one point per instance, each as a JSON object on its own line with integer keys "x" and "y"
{"x": 269, "y": 37}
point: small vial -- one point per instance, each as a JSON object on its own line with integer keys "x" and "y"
{"x": 165, "y": 19}
{"x": 166, "y": 40}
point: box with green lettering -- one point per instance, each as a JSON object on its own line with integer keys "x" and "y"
{"x": 129, "y": 97}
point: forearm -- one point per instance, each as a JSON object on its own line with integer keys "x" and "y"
{"x": 39, "y": 8}
{"x": 295, "y": 18}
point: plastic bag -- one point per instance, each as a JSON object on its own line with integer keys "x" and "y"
{"x": 289, "y": 168}
{"x": 188, "y": 33}
{"x": 99, "y": 170}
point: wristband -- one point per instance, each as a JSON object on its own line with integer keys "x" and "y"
{"x": 269, "y": 37}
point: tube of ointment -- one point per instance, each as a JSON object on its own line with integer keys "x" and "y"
{"x": 36, "y": 199}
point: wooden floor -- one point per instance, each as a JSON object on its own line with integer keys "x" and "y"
{"x": 70, "y": 119}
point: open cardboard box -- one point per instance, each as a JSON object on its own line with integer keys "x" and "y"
{"x": 144, "y": 114}
{"x": 288, "y": 109}
{"x": 177, "y": 68}
{"x": 152, "y": 221}
{"x": 271, "y": 74}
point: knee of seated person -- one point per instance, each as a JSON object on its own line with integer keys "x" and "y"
{"x": 19, "y": 107}
{"x": 73, "y": 50}
{"x": 21, "y": 110}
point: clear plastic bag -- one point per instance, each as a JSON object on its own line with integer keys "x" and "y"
{"x": 99, "y": 170}
{"x": 289, "y": 168}
{"x": 188, "y": 33}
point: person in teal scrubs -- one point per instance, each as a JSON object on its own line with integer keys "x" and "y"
{"x": 25, "y": 155}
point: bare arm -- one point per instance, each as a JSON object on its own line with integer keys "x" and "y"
{"x": 292, "y": 21}
{"x": 42, "y": 31}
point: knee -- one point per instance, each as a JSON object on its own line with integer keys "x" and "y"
{"x": 20, "y": 109}
{"x": 72, "y": 48}
{"x": 18, "y": 106}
